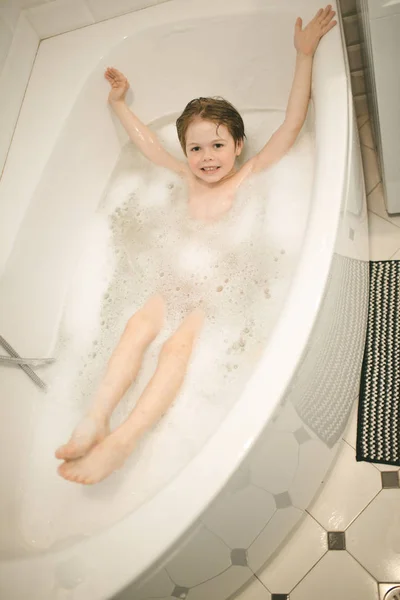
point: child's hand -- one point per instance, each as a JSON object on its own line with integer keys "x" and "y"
{"x": 306, "y": 40}
{"x": 119, "y": 84}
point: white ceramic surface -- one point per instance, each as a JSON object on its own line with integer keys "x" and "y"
{"x": 98, "y": 566}
{"x": 371, "y": 536}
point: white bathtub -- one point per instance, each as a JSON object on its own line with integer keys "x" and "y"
{"x": 221, "y": 517}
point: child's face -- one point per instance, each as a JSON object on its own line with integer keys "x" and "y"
{"x": 211, "y": 150}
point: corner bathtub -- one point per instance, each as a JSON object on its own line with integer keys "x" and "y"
{"x": 215, "y": 524}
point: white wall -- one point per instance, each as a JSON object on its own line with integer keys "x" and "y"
{"x": 51, "y": 17}
{"x": 18, "y": 47}
{"x": 23, "y": 23}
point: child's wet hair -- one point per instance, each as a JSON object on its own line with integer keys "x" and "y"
{"x": 215, "y": 109}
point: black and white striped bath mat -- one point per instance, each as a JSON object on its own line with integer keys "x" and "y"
{"x": 378, "y": 428}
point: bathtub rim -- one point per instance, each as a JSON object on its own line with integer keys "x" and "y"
{"x": 313, "y": 256}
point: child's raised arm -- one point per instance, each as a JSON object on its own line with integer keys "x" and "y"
{"x": 146, "y": 141}
{"x": 306, "y": 41}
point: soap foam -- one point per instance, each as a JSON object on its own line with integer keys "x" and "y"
{"x": 237, "y": 269}
{"x": 142, "y": 241}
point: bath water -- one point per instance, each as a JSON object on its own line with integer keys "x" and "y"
{"x": 142, "y": 241}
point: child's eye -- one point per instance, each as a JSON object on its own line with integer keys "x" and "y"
{"x": 195, "y": 149}
{"x": 219, "y": 145}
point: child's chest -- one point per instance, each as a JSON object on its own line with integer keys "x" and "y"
{"x": 207, "y": 204}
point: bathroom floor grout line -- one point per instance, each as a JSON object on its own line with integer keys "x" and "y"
{"x": 363, "y": 143}
{"x": 309, "y": 571}
{"x": 363, "y": 566}
{"x": 365, "y": 122}
{"x": 374, "y": 188}
{"x": 391, "y": 257}
{"x": 386, "y": 221}
{"x": 263, "y": 584}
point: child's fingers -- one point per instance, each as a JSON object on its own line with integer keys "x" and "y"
{"x": 317, "y": 16}
{"x": 328, "y": 27}
{"x": 326, "y": 10}
{"x": 323, "y": 12}
{"x": 113, "y": 72}
{"x": 114, "y": 76}
{"x": 298, "y": 24}
{"x": 328, "y": 18}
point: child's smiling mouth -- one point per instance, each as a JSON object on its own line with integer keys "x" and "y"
{"x": 209, "y": 169}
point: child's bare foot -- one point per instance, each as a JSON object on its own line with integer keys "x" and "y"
{"x": 99, "y": 462}
{"x": 124, "y": 364}
{"x": 90, "y": 431}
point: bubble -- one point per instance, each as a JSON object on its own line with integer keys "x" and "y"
{"x": 195, "y": 260}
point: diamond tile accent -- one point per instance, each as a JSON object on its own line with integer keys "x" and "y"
{"x": 336, "y": 540}
{"x": 282, "y": 500}
{"x": 302, "y": 435}
{"x": 390, "y": 479}
{"x": 180, "y": 592}
{"x": 239, "y": 557}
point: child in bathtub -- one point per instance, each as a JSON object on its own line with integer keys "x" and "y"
{"x": 211, "y": 134}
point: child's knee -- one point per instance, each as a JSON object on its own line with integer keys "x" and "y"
{"x": 176, "y": 348}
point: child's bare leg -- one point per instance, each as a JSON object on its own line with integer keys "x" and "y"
{"x": 122, "y": 369}
{"x": 162, "y": 389}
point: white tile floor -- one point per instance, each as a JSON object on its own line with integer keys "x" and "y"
{"x": 353, "y": 499}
